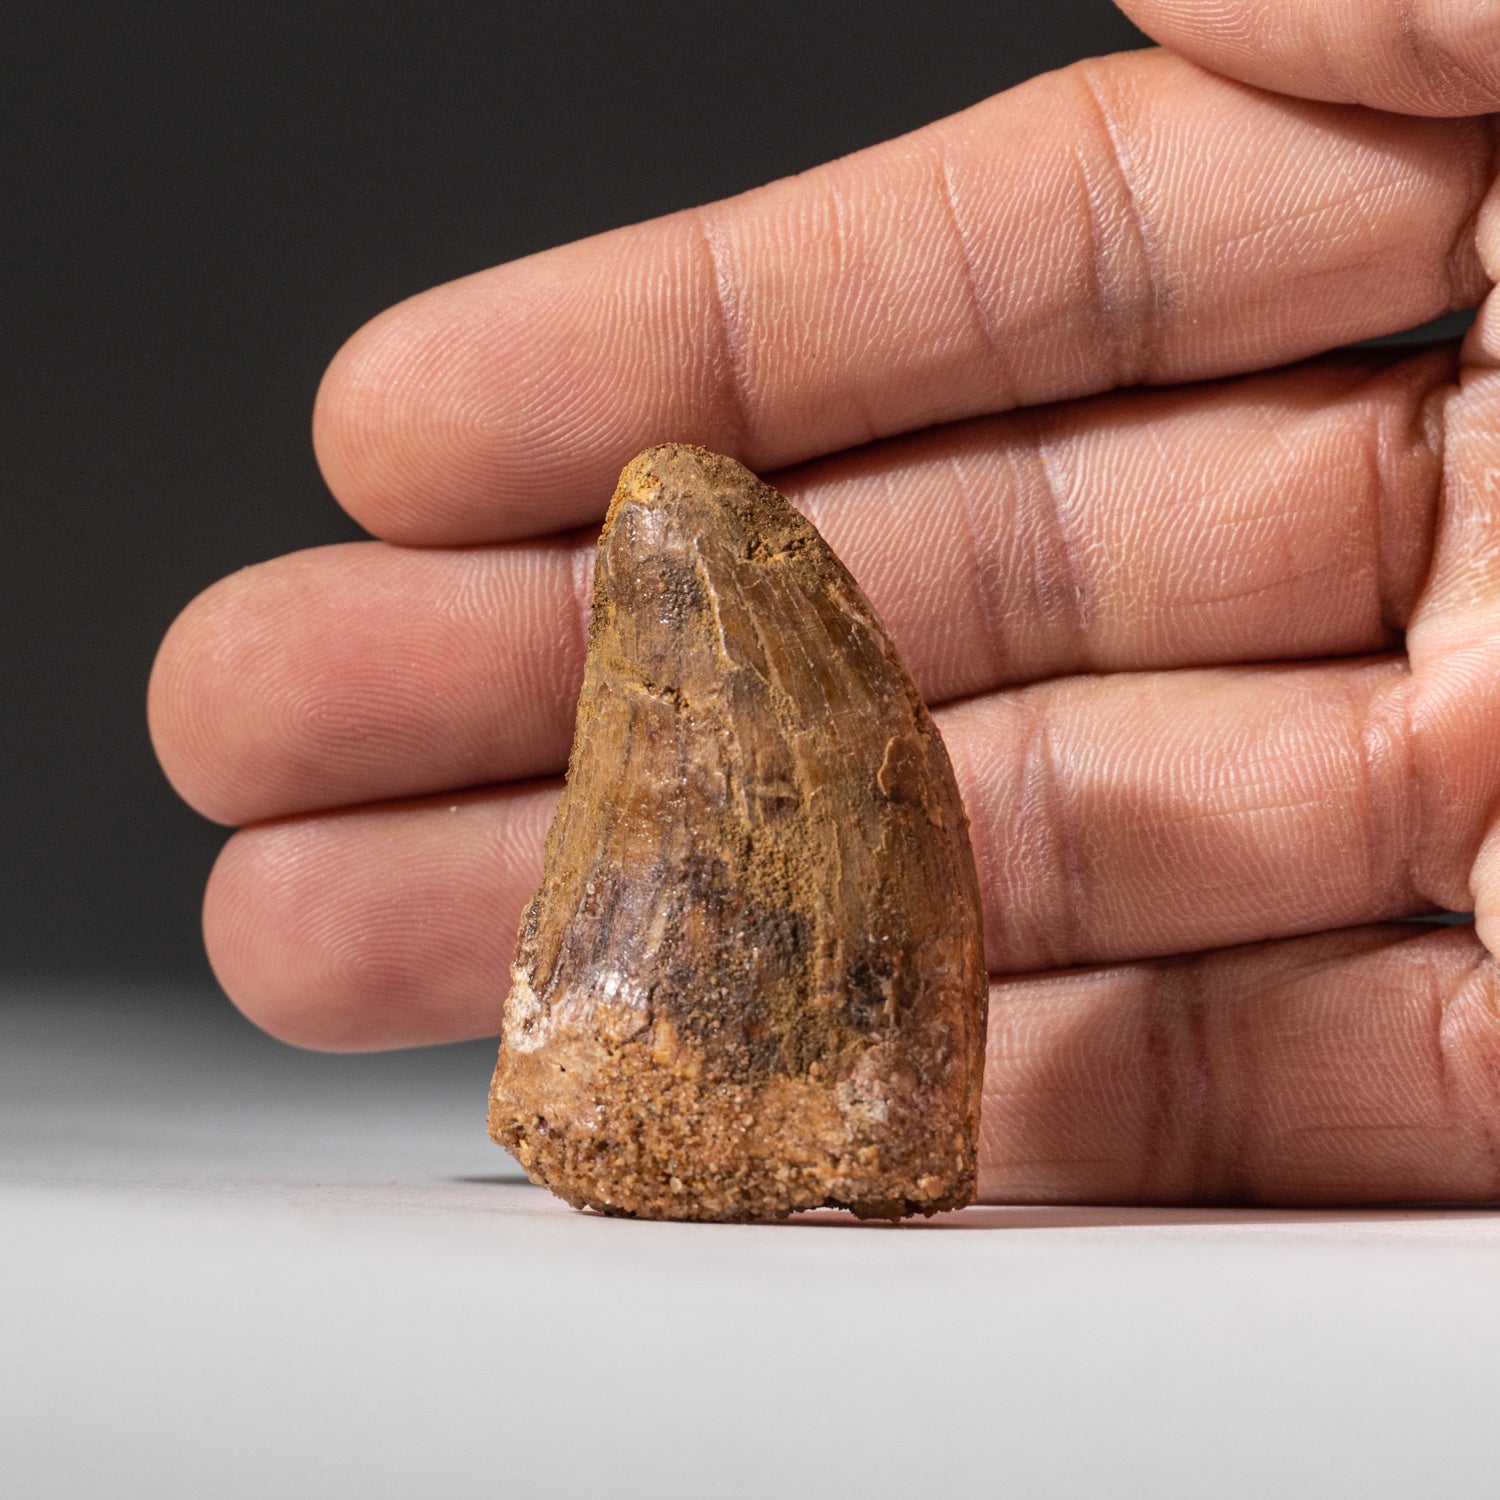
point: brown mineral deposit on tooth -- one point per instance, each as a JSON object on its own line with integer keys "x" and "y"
{"x": 753, "y": 979}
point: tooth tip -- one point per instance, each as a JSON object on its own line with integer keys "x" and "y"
{"x": 681, "y": 467}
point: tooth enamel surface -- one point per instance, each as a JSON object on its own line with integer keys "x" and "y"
{"x": 753, "y": 978}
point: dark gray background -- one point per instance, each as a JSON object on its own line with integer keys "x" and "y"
{"x": 203, "y": 201}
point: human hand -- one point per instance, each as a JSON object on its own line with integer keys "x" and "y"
{"x": 1217, "y": 662}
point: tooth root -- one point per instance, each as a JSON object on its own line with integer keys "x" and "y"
{"x": 753, "y": 979}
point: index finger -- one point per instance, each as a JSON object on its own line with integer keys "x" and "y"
{"x": 1129, "y": 220}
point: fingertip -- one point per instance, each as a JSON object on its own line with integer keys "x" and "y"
{"x": 238, "y": 736}
{"x": 487, "y": 409}
{"x": 398, "y": 429}
{"x": 244, "y": 934}
{"x": 378, "y": 927}
{"x": 299, "y": 965}
{"x": 319, "y": 930}
{"x": 182, "y": 698}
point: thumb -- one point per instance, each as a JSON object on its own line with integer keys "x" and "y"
{"x": 1418, "y": 57}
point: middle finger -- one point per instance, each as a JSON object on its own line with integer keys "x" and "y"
{"x": 1282, "y": 516}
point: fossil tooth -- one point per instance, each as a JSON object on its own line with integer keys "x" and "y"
{"x": 753, "y": 979}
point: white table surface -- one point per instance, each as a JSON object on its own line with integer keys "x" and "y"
{"x": 231, "y": 1269}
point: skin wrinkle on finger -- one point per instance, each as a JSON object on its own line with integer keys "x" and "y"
{"x": 727, "y": 337}
{"x": 1147, "y": 529}
{"x": 1077, "y": 586}
{"x": 990, "y": 339}
{"x": 1134, "y": 293}
{"x": 944, "y": 275}
{"x": 1353, "y": 1066}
